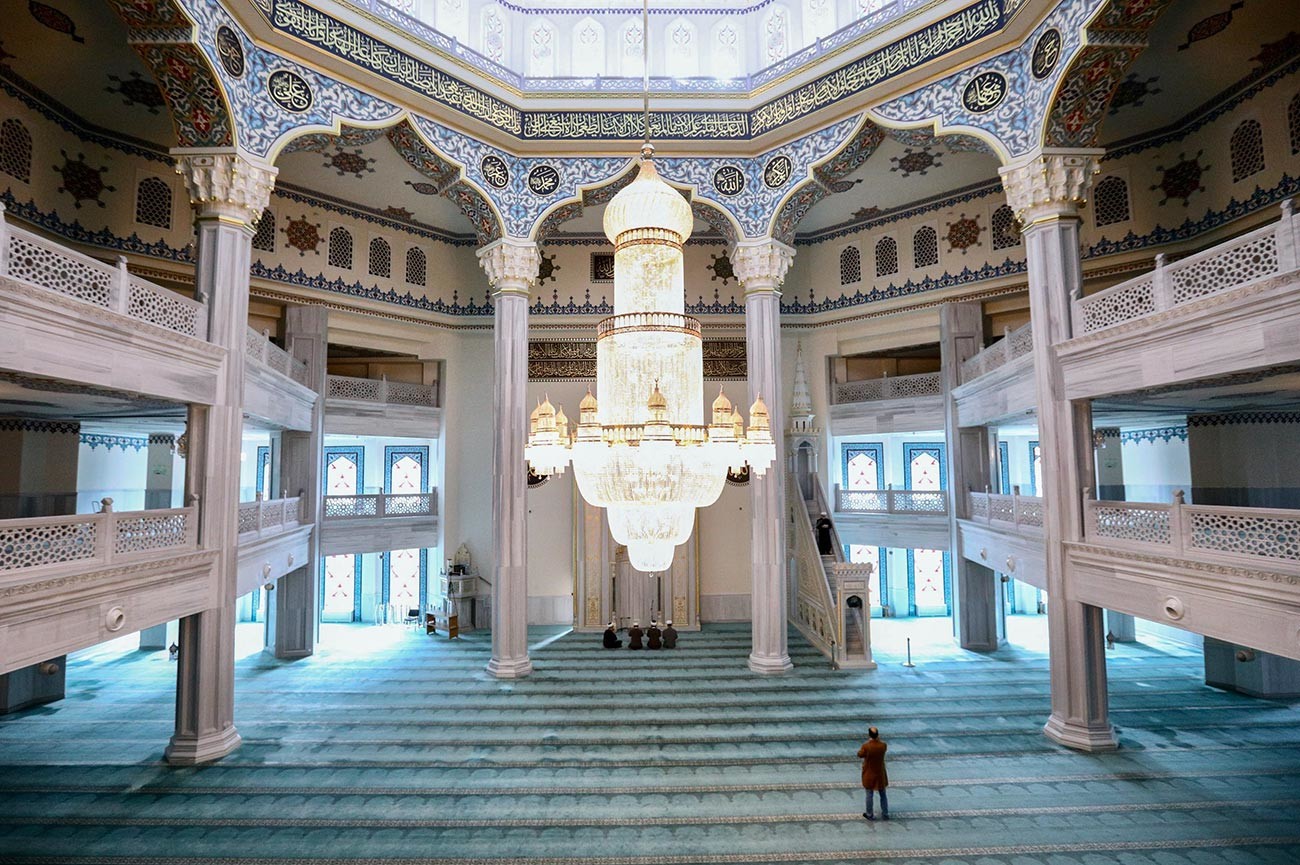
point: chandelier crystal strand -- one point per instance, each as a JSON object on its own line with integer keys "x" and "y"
{"x": 641, "y": 449}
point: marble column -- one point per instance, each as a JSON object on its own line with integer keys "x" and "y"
{"x": 761, "y": 266}
{"x": 158, "y": 494}
{"x": 1047, "y": 190}
{"x": 291, "y": 621}
{"x": 511, "y": 266}
{"x": 227, "y": 192}
{"x": 977, "y": 616}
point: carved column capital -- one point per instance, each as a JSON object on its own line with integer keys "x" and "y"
{"x": 1050, "y": 183}
{"x": 511, "y": 265}
{"x": 226, "y": 185}
{"x": 761, "y": 265}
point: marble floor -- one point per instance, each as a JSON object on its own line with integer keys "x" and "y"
{"x": 390, "y": 746}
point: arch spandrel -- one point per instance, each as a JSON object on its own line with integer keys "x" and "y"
{"x": 824, "y": 177}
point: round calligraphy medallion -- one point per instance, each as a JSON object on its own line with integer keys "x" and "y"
{"x": 1046, "y": 52}
{"x": 777, "y": 171}
{"x": 729, "y": 180}
{"x": 543, "y": 180}
{"x": 495, "y": 171}
{"x": 289, "y": 91}
{"x": 985, "y": 92}
{"x": 230, "y": 51}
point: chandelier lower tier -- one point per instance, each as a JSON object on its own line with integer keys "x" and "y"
{"x": 641, "y": 449}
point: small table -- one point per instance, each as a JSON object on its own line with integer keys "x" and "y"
{"x": 433, "y": 622}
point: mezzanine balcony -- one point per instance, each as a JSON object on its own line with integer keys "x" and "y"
{"x": 274, "y": 539}
{"x": 376, "y": 523}
{"x": 276, "y": 385}
{"x": 998, "y": 382}
{"x": 68, "y": 582}
{"x": 359, "y": 406}
{"x": 68, "y": 316}
{"x": 1005, "y": 533}
{"x": 893, "y": 518}
{"x": 904, "y": 403}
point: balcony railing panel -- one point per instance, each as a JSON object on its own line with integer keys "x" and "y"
{"x": 260, "y": 516}
{"x": 1014, "y": 344}
{"x": 381, "y": 390}
{"x": 1265, "y": 538}
{"x": 1261, "y": 253}
{"x": 95, "y": 539}
{"x": 1009, "y": 511}
{"x": 34, "y": 259}
{"x": 892, "y": 387}
{"x": 259, "y": 348}
{"x": 891, "y": 501}
{"x": 406, "y": 505}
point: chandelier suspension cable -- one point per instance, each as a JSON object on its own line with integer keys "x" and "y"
{"x": 645, "y": 66}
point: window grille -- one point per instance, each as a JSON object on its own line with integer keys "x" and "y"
{"x": 925, "y": 247}
{"x": 416, "y": 266}
{"x": 1246, "y": 150}
{"x": 264, "y": 238}
{"x": 1110, "y": 201}
{"x": 340, "y": 248}
{"x": 1006, "y": 232}
{"x": 886, "y": 256}
{"x": 381, "y": 258}
{"x": 153, "y": 203}
{"x": 16, "y": 150}
{"x": 850, "y": 266}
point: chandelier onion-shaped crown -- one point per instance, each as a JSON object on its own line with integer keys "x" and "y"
{"x": 648, "y": 202}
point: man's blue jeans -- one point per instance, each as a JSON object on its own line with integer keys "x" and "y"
{"x": 884, "y": 803}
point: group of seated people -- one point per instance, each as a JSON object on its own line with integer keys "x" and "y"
{"x": 655, "y": 637}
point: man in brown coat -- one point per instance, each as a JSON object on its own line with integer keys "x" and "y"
{"x": 872, "y": 753}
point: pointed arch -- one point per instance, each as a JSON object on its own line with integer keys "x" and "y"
{"x": 417, "y": 266}
{"x": 630, "y": 60}
{"x": 1110, "y": 201}
{"x": 153, "y": 203}
{"x": 886, "y": 256}
{"x": 588, "y": 48}
{"x": 264, "y": 238}
{"x": 340, "y": 248}
{"x": 850, "y": 265}
{"x": 1006, "y": 231}
{"x": 381, "y": 258}
{"x": 494, "y": 32}
{"x": 775, "y": 33}
{"x": 681, "y": 50}
{"x": 726, "y": 47}
{"x": 542, "y": 42}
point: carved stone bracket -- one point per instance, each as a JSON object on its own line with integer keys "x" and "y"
{"x": 761, "y": 265}
{"x": 1050, "y": 183}
{"x": 226, "y": 185}
{"x": 511, "y": 265}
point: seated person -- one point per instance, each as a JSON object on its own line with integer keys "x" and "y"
{"x": 652, "y": 637}
{"x": 611, "y": 638}
{"x": 670, "y": 636}
{"x": 634, "y": 636}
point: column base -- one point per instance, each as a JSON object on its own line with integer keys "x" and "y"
{"x": 770, "y": 665}
{"x": 510, "y": 668}
{"x": 191, "y": 750}
{"x": 1081, "y": 737}
{"x": 981, "y": 646}
{"x": 288, "y": 655}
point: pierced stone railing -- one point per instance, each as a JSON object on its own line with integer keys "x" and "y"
{"x": 274, "y": 515}
{"x": 91, "y": 540}
{"x": 33, "y": 259}
{"x": 1021, "y": 513}
{"x": 1263, "y": 538}
{"x": 889, "y": 387}
{"x": 1264, "y": 252}
{"x": 258, "y": 347}
{"x": 404, "y": 505}
{"x": 890, "y": 501}
{"x": 815, "y": 610}
{"x": 1014, "y": 343}
{"x": 381, "y": 390}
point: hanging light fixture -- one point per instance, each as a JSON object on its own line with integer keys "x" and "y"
{"x": 641, "y": 449}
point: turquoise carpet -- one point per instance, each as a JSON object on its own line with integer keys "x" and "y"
{"x": 391, "y": 746}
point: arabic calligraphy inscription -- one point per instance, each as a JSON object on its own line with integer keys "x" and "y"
{"x": 543, "y": 180}
{"x": 729, "y": 180}
{"x": 230, "y": 51}
{"x": 985, "y": 92}
{"x": 777, "y": 171}
{"x": 495, "y": 171}
{"x": 289, "y": 91}
{"x": 1046, "y": 52}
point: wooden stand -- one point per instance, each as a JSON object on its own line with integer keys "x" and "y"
{"x": 433, "y": 622}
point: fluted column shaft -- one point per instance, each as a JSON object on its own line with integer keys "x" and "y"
{"x": 1047, "y": 191}
{"x": 228, "y": 192}
{"x": 761, "y": 267}
{"x": 511, "y": 266}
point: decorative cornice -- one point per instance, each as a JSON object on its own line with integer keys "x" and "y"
{"x": 511, "y": 265}
{"x": 94, "y": 440}
{"x": 1050, "y": 182}
{"x": 169, "y": 566}
{"x": 162, "y": 439}
{"x": 226, "y": 185}
{"x": 575, "y": 360}
{"x": 1151, "y": 436}
{"x": 761, "y": 265}
{"x": 1182, "y": 565}
{"x": 943, "y": 201}
{"x": 54, "y": 427}
{"x": 362, "y": 213}
{"x": 1243, "y": 417}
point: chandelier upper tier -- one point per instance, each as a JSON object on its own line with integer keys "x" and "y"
{"x": 641, "y": 449}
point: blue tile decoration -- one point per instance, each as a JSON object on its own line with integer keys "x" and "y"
{"x": 1033, "y": 475}
{"x": 386, "y": 563}
{"x": 1004, "y": 467}
{"x": 911, "y": 585}
{"x": 938, "y": 450}
{"x": 393, "y": 453}
{"x": 875, "y": 450}
{"x": 263, "y": 467}
{"x": 108, "y": 442}
{"x": 1151, "y": 436}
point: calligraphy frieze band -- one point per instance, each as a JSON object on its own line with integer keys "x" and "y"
{"x": 310, "y": 25}
{"x": 724, "y": 359}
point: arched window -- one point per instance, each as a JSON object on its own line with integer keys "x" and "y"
{"x": 153, "y": 203}
{"x": 492, "y": 30}
{"x": 925, "y": 247}
{"x": 452, "y": 18}
{"x": 340, "y": 248}
{"x": 541, "y": 50}
{"x": 776, "y": 35}
{"x": 1006, "y": 232}
{"x": 725, "y": 50}
{"x": 818, "y": 19}
{"x": 404, "y": 572}
{"x": 264, "y": 239}
{"x": 381, "y": 258}
{"x": 1246, "y": 150}
{"x": 416, "y": 266}
{"x": 588, "y": 49}
{"x": 1110, "y": 201}
{"x": 864, "y": 467}
{"x": 850, "y": 266}
{"x": 630, "y": 50}
{"x": 924, "y": 466}
{"x": 886, "y": 256}
{"x": 928, "y": 583}
{"x": 16, "y": 150}
{"x": 1293, "y": 122}
{"x": 683, "y": 57}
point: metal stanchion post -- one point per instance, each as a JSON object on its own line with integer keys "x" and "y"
{"x": 909, "y": 663}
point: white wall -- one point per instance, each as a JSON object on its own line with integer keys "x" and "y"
{"x": 1153, "y": 469}
{"x": 113, "y": 470}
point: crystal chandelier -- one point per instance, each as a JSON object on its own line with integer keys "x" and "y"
{"x": 641, "y": 449}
